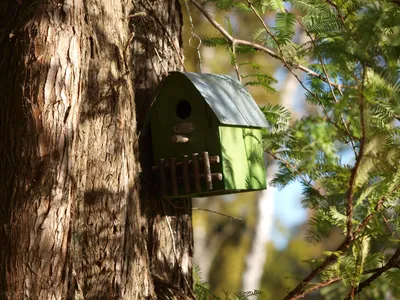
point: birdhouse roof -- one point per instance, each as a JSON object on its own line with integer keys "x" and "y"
{"x": 229, "y": 99}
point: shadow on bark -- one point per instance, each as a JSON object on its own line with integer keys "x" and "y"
{"x": 171, "y": 218}
{"x": 27, "y": 176}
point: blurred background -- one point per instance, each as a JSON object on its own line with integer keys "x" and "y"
{"x": 260, "y": 243}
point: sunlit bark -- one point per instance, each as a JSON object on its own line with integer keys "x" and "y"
{"x": 76, "y": 79}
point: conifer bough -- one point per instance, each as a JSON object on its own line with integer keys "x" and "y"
{"x": 256, "y": 46}
{"x": 354, "y": 43}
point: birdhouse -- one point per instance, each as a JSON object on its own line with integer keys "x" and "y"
{"x": 206, "y": 136}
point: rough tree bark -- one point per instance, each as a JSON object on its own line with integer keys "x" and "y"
{"x": 78, "y": 220}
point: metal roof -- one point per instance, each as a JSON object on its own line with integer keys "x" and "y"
{"x": 229, "y": 99}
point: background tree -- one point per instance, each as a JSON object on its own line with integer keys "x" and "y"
{"x": 78, "y": 220}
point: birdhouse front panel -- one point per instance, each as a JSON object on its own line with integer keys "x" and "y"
{"x": 182, "y": 124}
{"x": 206, "y": 137}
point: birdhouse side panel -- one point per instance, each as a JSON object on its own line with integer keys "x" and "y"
{"x": 234, "y": 158}
{"x": 255, "y": 157}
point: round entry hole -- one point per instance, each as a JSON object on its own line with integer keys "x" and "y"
{"x": 183, "y": 109}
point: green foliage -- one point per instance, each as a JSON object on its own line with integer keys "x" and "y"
{"x": 224, "y": 4}
{"x": 347, "y": 152}
{"x": 277, "y": 116}
{"x": 260, "y": 79}
{"x": 285, "y": 27}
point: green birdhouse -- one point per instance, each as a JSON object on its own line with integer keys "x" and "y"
{"x": 206, "y": 136}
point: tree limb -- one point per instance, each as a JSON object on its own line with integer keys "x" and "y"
{"x": 320, "y": 285}
{"x": 393, "y": 262}
{"x": 377, "y": 208}
{"x": 282, "y": 57}
{"x": 298, "y": 291}
{"x": 330, "y": 87}
{"x": 294, "y": 169}
{"x": 350, "y": 194}
{"x": 397, "y": 2}
{"x": 256, "y": 46}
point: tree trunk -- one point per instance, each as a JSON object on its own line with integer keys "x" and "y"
{"x": 78, "y": 220}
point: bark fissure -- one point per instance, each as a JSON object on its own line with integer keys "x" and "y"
{"x": 78, "y": 223}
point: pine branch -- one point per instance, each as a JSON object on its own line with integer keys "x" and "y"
{"x": 282, "y": 57}
{"x": 320, "y": 285}
{"x": 377, "y": 208}
{"x": 298, "y": 291}
{"x": 350, "y": 194}
{"x": 392, "y": 263}
{"x": 337, "y": 10}
{"x": 330, "y": 86}
{"x": 294, "y": 169}
{"x": 256, "y": 46}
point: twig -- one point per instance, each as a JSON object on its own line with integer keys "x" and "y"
{"x": 271, "y": 53}
{"x": 377, "y": 208}
{"x": 330, "y": 86}
{"x": 350, "y": 194}
{"x": 386, "y": 223}
{"x": 396, "y": 265}
{"x": 320, "y": 59}
{"x": 337, "y": 9}
{"x": 297, "y": 292}
{"x": 396, "y": 2}
{"x": 160, "y": 60}
{"x": 393, "y": 262}
{"x": 235, "y": 64}
{"x": 267, "y": 30}
{"x": 217, "y": 213}
{"x": 141, "y": 13}
{"x": 333, "y": 5}
{"x": 289, "y": 165}
{"x": 281, "y": 56}
{"x": 320, "y": 285}
{"x": 205, "y": 209}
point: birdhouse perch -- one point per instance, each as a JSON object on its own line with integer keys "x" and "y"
{"x": 206, "y": 136}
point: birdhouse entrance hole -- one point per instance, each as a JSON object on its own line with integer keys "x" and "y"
{"x": 183, "y": 109}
